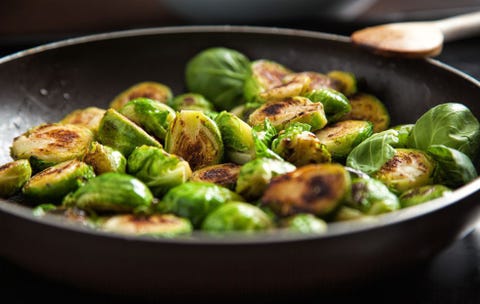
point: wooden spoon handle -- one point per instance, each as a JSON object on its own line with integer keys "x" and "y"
{"x": 458, "y": 27}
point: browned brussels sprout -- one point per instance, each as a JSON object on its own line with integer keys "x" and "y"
{"x": 368, "y": 107}
{"x": 318, "y": 189}
{"x": 49, "y": 144}
{"x": 196, "y": 138}
{"x": 282, "y": 112}
{"x": 89, "y": 117}
{"x": 148, "y": 89}
{"x": 225, "y": 175}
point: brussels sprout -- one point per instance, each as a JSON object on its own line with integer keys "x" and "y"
{"x": 341, "y": 137}
{"x": 110, "y": 191}
{"x": 297, "y": 85}
{"x": 409, "y": 168}
{"x": 89, "y": 117}
{"x": 255, "y": 175}
{"x": 304, "y": 223}
{"x": 368, "y": 107}
{"x": 196, "y": 138}
{"x": 218, "y": 74}
{"x": 13, "y": 176}
{"x": 237, "y": 216}
{"x": 265, "y": 75}
{"x": 372, "y": 153}
{"x": 104, "y": 159}
{"x": 195, "y": 200}
{"x": 237, "y": 138}
{"x": 297, "y": 145}
{"x": 454, "y": 168}
{"x": 318, "y": 189}
{"x": 148, "y": 89}
{"x": 423, "y": 194}
{"x": 119, "y": 133}
{"x": 318, "y": 81}
{"x": 372, "y": 197}
{"x": 345, "y": 213}
{"x": 449, "y": 124}
{"x": 50, "y": 144}
{"x": 335, "y": 104}
{"x": 152, "y": 116}
{"x": 192, "y": 101}
{"x": 295, "y": 109}
{"x": 403, "y": 134}
{"x": 243, "y": 111}
{"x": 158, "y": 225}
{"x": 159, "y": 170}
{"x": 53, "y": 183}
{"x": 224, "y": 175}
{"x": 346, "y": 82}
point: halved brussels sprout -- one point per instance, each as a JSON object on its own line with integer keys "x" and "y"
{"x": 159, "y": 170}
{"x": 196, "y": 138}
{"x": 295, "y": 109}
{"x": 158, "y": 225}
{"x": 53, "y": 183}
{"x": 50, "y": 144}
{"x": 195, "y": 200}
{"x": 119, "y": 133}
{"x": 296, "y": 85}
{"x": 368, "y": 107}
{"x": 372, "y": 197}
{"x": 423, "y": 194}
{"x": 335, "y": 104}
{"x": 404, "y": 131}
{"x": 104, "y": 159}
{"x": 346, "y": 81}
{"x": 89, "y": 117}
{"x": 191, "y": 101}
{"x": 13, "y": 176}
{"x": 297, "y": 145}
{"x": 265, "y": 75}
{"x": 409, "y": 168}
{"x": 224, "y": 175}
{"x": 237, "y": 216}
{"x": 449, "y": 124}
{"x": 115, "y": 192}
{"x": 237, "y": 138}
{"x": 255, "y": 175}
{"x": 218, "y": 74}
{"x": 304, "y": 223}
{"x": 148, "y": 89}
{"x": 341, "y": 137}
{"x": 152, "y": 116}
{"x": 318, "y": 189}
{"x": 243, "y": 111}
{"x": 318, "y": 81}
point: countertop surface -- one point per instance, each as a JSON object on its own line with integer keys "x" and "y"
{"x": 451, "y": 277}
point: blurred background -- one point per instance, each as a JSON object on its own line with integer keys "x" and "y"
{"x": 26, "y": 23}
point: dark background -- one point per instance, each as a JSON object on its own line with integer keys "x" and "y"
{"x": 452, "y": 277}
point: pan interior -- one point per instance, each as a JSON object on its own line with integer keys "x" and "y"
{"x": 46, "y": 83}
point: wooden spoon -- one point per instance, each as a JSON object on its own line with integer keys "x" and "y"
{"x": 416, "y": 39}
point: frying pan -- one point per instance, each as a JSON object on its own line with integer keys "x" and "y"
{"x": 45, "y": 83}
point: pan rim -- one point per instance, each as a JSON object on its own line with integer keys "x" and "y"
{"x": 335, "y": 229}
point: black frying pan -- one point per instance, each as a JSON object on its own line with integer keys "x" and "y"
{"x": 48, "y": 82}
